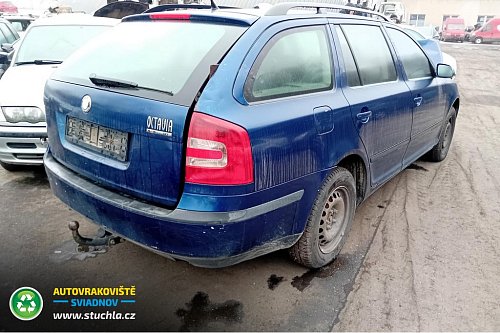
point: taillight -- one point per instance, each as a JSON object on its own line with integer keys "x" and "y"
{"x": 170, "y": 16}
{"x": 218, "y": 152}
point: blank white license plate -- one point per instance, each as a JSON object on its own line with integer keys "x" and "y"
{"x": 98, "y": 138}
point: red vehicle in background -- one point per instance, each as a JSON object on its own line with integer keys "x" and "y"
{"x": 7, "y": 7}
{"x": 489, "y": 32}
{"x": 453, "y": 29}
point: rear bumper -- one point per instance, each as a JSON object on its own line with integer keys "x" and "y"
{"x": 206, "y": 239}
{"x": 22, "y": 145}
{"x": 453, "y": 38}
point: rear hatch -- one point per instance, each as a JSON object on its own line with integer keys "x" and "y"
{"x": 117, "y": 109}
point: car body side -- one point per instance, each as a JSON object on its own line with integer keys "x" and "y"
{"x": 293, "y": 152}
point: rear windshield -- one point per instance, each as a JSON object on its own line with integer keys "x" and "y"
{"x": 55, "y": 42}
{"x": 168, "y": 58}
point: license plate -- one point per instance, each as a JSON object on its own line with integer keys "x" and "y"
{"x": 98, "y": 138}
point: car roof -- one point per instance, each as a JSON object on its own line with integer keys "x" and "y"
{"x": 74, "y": 19}
{"x": 247, "y": 16}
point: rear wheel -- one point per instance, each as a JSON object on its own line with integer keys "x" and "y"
{"x": 10, "y": 167}
{"x": 440, "y": 151}
{"x": 329, "y": 221}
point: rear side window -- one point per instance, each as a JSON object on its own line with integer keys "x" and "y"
{"x": 293, "y": 62}
{"x": 351, "y": 70}
{"x": 9, "y": 36}
{"x": 160, "y": 57}
{"x": 414, "y": 61}
{"x": 371, "y": 53}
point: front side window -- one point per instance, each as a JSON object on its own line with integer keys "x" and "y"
{"x": 415, "y": 63}
{"x": 484, "y": 18}
{"x": 371, "y": 53}
{"x": 294, "y": 62}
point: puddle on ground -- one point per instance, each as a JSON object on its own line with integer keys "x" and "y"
{"x": 69, "y": 251}
{"x": 274, "y": 280}
{"x": 201, "y": 311}
{"x": 416, "y": 167}
{"x": 304, "y": 281}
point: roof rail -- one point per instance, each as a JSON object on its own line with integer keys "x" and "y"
{"x": 169, "y": 7}
{"x": 283, "y": 8}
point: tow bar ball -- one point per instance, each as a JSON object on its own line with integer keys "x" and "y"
{"x": 103, "y": 238}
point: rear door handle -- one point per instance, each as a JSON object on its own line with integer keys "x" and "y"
{"x": 364, "y": 117}
{"x": 418, "y": 100}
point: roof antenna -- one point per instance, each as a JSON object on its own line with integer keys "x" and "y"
{"x": 213, "y": 5}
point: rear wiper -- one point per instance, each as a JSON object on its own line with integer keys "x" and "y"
{"x": 114, "y": 83}
{"x": 117, "y": 83}
{"x": 39, "y": 62}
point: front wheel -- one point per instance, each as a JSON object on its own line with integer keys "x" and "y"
{"x": 478, "y": 40}
{"x": 440, "y": 151}
{"x": 329, "y": 221}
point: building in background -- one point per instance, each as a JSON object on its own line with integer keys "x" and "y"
{"x": 435, "y": 12}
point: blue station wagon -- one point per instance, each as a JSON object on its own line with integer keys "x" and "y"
{"x": 217, "y": 135}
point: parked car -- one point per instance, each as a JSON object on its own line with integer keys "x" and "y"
{"x": 489, "y": 32}
{"x": 7, "y": 7}
{"x": 427, "y": 31}
{"x": 47, "y": 43}
{"x": 8, "y": 37}
{"x": 453, "y": 30}
{"x": 431, "y": 46}
{"x": 221, "y": 135}
{"x": 20, "y": 22}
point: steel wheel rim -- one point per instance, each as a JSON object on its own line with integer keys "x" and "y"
{"x": 447, "y": 136}
{"x": 334, "y": 215}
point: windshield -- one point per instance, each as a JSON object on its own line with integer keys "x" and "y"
{"x": 456, "y": 26}
{"x": 153, "y": 55}
{"x": 54, "y": 42}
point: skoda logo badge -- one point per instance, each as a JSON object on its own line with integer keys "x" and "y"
{"x": 86, "y": 103}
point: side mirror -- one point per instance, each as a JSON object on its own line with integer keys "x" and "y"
{"x": 7, "y": 47}
{"x": 445, "y": 71}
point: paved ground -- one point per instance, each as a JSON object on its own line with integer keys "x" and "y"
{"x": 423, "y": 253}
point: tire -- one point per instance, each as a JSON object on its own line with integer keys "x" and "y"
{"x": 440, "y": 150}
{"x": 329, "y": 221}
{"x": 10, "y": 167}
{"x": 478, "y": 40}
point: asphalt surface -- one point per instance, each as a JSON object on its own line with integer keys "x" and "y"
{"x": 423, "y": 253}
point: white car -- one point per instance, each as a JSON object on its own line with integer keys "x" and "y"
{"x": 431, "y": 45}
{"x": 47, "y": 43}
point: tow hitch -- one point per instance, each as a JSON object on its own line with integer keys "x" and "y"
{"x": 101, "y": 240}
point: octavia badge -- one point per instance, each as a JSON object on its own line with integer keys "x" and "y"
{"x": 86, "y": 103}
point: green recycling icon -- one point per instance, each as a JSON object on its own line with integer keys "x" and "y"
{"x": 26, "y": 303}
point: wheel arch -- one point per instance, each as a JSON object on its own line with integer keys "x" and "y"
{"x": 357, "y": 166}
{"x": 456, "y": 105}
